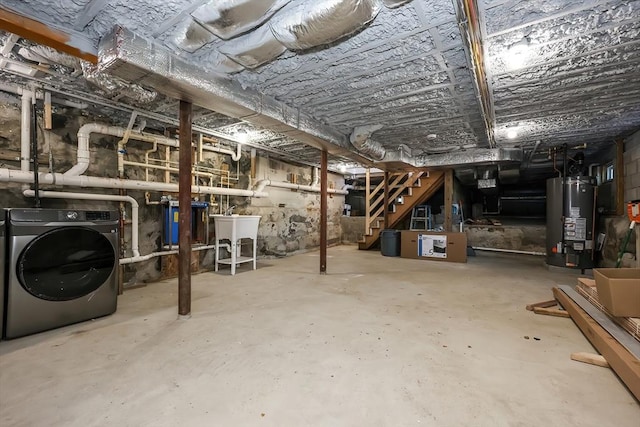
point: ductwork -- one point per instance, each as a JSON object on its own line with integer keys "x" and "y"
{"x": 253, "y": 49}
{"x": 230, "y": 18}
{"x": 26, "y": 177}
{"x": 460, "y": 158}
{"x": 312, "y": 23}
{"x": 392, "y": 4}
{"x": 115, "y": 87}
{"x": 136, "y": 59}
{"x": 360, "y": 138}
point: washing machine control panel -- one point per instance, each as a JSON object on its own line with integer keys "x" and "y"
{"x": 72, "y": 215}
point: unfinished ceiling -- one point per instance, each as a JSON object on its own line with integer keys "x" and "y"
{"x": 543, "y": 73}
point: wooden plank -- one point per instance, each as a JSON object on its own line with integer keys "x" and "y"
{"x": 550, "y": 312}
{"x": 544, "y": 304}
{"x": 590, "y": 358}
{"x": 623, "y": 337}
{"x": 448, "y": 200}
{"x": 623, "y": 363}
{"x": 587, "y": 282}
{"x": 43, "y": 34}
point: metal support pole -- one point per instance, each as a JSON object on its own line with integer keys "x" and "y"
{"x": 386, "y": 200}
{"x": 323, "y": 213}
{"x": 184, "y": 219}
{"x": 34, "y": 150}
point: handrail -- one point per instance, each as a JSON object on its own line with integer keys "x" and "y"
{"x": 400, "y": 182}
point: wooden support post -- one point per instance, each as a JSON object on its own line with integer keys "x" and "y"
{"x": 184, "y": 219}
{"x": 367, "y": 201}
{"x": 43, "y": 34}
{"x": 386, "y": 200}
{"x": 448, "y": 200}
{"x": 323, "y": 212}
{"x": 623, "y": 363}
{"x": 619, "y": 177}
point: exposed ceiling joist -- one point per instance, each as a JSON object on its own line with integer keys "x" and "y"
{"x": 67, "y": 42}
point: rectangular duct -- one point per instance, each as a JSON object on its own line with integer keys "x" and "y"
{"x": 138, "y": 60}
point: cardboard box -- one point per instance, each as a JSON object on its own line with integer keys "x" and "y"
{"x": 433, "y": 246}
{"x": 619, "y": 290}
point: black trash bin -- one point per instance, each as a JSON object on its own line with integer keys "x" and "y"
{"x": 390, "y": 242}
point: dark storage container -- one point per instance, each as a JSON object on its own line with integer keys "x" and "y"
{"x": 390, "y": 242}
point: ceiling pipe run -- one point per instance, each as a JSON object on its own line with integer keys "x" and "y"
{"x": 25, "y": 177}
{"x": 260, "y": 186}
{"x": 84, "y": 136}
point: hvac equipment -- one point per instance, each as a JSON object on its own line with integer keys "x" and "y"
{"x": 571, "y": 221}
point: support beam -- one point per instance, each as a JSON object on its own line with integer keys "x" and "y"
{"x": 184, "y": 219}
{"x": 323, "y": 212}
{"x": 367, "y": 201}
{"x": 73, "y": 44}
{"x": 386, "y": 200}
{"x": 448, "y": 199}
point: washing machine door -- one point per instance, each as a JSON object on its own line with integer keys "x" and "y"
{"x": 66, "y": 263}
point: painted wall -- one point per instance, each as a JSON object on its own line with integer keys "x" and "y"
{"x": 290, "y": 219}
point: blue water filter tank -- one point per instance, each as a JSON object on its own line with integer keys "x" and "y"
{"x": 171, "y": 218}
{"x": 171, "y": 223}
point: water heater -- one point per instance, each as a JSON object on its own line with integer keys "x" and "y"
{"x": 570, "y": 221}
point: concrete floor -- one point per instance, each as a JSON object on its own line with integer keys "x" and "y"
{"x": 378, "y": 342}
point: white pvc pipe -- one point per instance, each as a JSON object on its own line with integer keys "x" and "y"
{"x": 26, "y": 177}
{"x": 108, "y": 197}
{"x": 25, "y": 131}
{"x": 260, "y": 186}
{"x": 84, "y": 134}
{"x": 510, "y": 251}
{"x": 162, "y": 253}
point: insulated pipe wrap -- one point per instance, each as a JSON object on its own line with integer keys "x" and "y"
{"x": 313, "y": 23}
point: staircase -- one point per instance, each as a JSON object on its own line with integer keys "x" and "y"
{"x": 415, "y": 189}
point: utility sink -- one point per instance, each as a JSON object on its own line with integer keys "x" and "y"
{"x": 234, "y": 228}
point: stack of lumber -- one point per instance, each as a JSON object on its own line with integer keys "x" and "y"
{"x": 587, "y": 288}
{"x": 616, "y": 339}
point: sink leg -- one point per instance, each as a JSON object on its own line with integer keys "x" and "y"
{"x": 215, "y": 265}
{"x": 233, "y": 257}
{"x": 255, "y": 247}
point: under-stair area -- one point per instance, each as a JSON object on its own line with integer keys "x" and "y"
{"x": 405, "y": 191}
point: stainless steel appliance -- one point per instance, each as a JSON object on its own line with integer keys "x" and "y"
{"x": 62, "y": 268}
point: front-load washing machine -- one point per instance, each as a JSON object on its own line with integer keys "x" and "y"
{"x": 62, "y": 268}
{"x": 2, "y": 278}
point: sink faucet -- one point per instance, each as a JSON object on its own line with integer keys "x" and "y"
{"x": 229, "y": 210}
